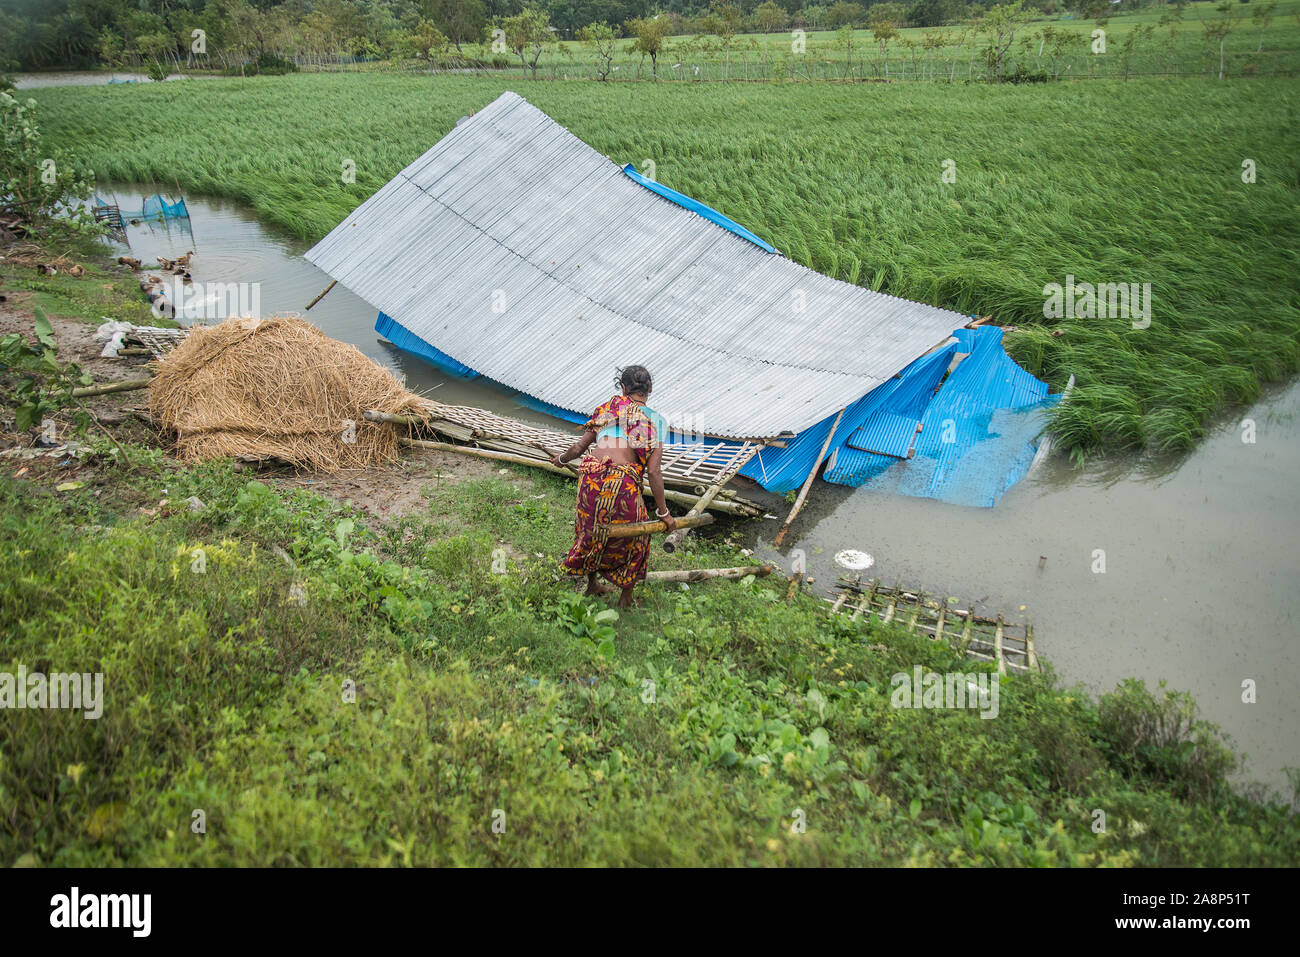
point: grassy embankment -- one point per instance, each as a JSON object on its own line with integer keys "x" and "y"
{"x": 712, "y": 721}
{"x": 1106, "y": 182}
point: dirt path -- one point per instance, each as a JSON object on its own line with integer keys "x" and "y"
{"x": 391, "y": 491}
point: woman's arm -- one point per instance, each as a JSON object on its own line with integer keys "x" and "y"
{"x": 576, "y": 449}
{"x": 657, "y": 487}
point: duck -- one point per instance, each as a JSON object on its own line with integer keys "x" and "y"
{"x": 183, "y": 260}
{"x": 76, "y": 270}
{"x": 130, "y": 262}
{"x": 45, "y": 269}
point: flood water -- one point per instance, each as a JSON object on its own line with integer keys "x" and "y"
{"x": 1201, "y": 554}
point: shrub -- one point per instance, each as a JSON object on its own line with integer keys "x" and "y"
{"x": 1160, "y": 737}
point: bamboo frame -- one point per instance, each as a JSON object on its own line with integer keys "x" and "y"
{"x": 1009, "y": 645}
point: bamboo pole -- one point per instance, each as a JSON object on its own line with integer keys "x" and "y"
{"x": 681, "y": 498}
{"x": 997, "y": 649}
{"x": 637, "y": 529}
{"x": 803, "y": 492}
{"x": 374, "y": 415}
{"x": 484, "y": 454}
{"x": 704, "y": 574}
{"x": 104, "y": 388}
{"x": 332, "y": 284}
{"x": 674, "y": 538}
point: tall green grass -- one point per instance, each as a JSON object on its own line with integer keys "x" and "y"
{"x": 1107, "y": 181}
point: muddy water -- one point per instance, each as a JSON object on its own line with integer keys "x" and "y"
{"x": 1201, "y": 558}
{"x": 1201, "y": 564}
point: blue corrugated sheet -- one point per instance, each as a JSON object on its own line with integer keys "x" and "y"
{"x": 978, "y": 433}
{"x": 695, "y": 206}
{"x": 887, "y": 433}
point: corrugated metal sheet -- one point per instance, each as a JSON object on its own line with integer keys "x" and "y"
{"x": 589, "y": 271}
{"x": 887, "y": 434}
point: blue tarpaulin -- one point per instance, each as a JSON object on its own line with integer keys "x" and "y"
{"x": 978, "y": 432}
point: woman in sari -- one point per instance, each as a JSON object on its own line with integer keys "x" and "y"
{"x": 628, "y": 439}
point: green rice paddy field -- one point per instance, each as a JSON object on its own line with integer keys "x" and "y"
{"x": 1105, "y": 181}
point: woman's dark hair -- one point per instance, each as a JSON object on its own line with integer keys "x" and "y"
{"x": 635, "y": 379}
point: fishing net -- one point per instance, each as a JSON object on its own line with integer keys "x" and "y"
{"x": 277, "y": 388}
{"x": 155, "y": 207}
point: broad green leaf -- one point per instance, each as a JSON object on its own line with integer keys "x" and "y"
{"x": 818, "y": 701}
{"x": 105, "y": 819}
{"x": 342, "y": 530}
{"x": 44, "y": 331}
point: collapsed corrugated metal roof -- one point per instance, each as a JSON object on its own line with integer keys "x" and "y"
{"x": 525, "y": 254}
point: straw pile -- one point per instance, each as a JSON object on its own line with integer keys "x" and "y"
{"x": 277, "y": 388}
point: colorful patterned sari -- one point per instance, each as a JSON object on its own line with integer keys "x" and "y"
{"x": 610, "y": 494}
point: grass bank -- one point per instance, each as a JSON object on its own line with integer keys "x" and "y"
{"x": 1105, "y": 182}
{"x": 331, "y": 689}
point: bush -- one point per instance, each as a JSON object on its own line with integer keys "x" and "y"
{"x": 272, "y": 65}
{"x": 1161, "y": 738}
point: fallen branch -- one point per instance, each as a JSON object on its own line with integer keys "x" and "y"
{"x": 126, "y": 385}
{"x": 322, "y": 294}
{"x": 704, "y": 574}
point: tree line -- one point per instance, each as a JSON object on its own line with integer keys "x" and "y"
{"x": 239, "y": 34}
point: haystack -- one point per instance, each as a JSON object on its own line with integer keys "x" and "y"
{"x": 277, "y": 388}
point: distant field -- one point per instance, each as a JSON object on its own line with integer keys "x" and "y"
{"x": 1137, "y": 182}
